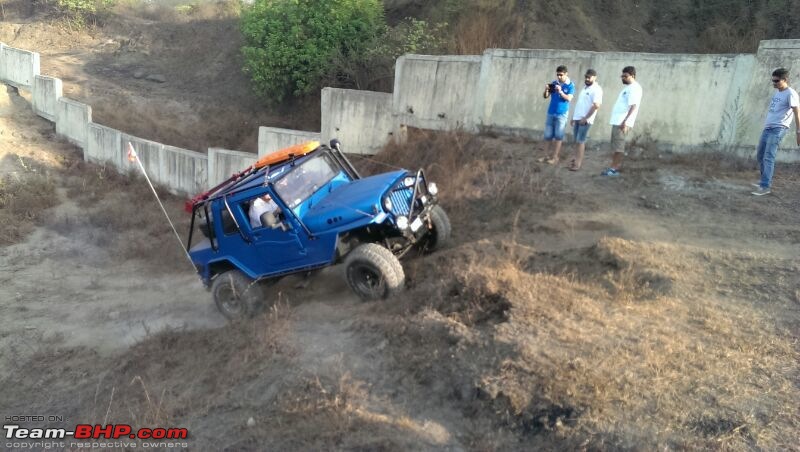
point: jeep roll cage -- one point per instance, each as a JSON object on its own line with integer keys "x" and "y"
{"x": 244, "y": 180}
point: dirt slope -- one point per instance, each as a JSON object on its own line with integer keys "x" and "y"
{"x": 658, "y": 310}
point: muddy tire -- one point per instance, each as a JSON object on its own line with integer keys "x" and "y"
{"x": 373, "y": 272}
{"x": 236, "y": 295}
{"x": 439, "y": 235}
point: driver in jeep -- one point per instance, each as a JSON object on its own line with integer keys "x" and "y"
{"x": 260, "y": 206}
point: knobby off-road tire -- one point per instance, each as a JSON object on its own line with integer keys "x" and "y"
{"x": 373, "y": 272}
{"x": 439, "y": 235}
{"x": 236, "y": 295}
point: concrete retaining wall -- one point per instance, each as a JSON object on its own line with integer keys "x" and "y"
{"x": 683, "y": 103}
{"x": 46, "y": 92}
{"x": 72, "y": 120}
{"x": 19, "y": 67}
{"x": 361, "y": 120}
{"x": 184, "y": 171}
{"x": 690, "y": 101}
{"x": 436, "y": 92}
{"x": 271, "y": 139}
{"x": 2, "y": 62}
{"x": 150, "y": 154}
{"x": 748, "y": 107}
{"x": 104, "y": 145}
{"x": 222, "y": 163}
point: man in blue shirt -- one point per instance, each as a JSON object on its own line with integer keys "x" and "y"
{"x": 560, "y": 93}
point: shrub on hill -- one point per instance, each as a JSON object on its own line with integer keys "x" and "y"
{"x": 289, "y": 44}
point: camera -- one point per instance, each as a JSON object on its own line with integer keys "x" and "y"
{"x": 552, "y": 87}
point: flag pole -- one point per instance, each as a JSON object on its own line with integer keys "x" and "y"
{"x": 134, "y": 157}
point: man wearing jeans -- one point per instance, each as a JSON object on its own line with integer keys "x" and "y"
{"x": 589, "y": 101}
{"x": 623, "y": 116}
{"x": 785, "y": 104}
{"x": 560, "y": 93}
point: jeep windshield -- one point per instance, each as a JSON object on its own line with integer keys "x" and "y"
{"x": 306, "y": 178}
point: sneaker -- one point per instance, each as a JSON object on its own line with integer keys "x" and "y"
{"x": 756, "y": 184}
{"x": 610, "y": 172}
{"x": 762, "y": 191}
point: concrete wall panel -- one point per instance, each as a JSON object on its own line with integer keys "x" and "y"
{"x": 46, "y": 91}
{"x": 361, "y": 120}
{"x": 752, "y": 101}
{"x": 72, "y": 120}
{"x": 223, "y": 163}
{"x": 684, "y": 95}
{"x": 2, "y": 61}
{"x": 150, "y": 154}
{"x": 436, "y": 92}
{"x": 184, "y": 171}
{"x": 19, "y": 67}
{"x": 104, "y": 145}
{"x": 271, "y": 139}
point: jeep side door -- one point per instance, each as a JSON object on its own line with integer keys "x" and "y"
{"x": 287, "y": 246}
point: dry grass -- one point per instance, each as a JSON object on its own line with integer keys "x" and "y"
{"x": 480, "y": 30}
{"x": 25, "y": 196}
{"x": 618, "y": 351}
{"x": 714, "y": 162}
{"x": 119, "y": 213}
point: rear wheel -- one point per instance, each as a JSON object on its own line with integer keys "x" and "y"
{"x": 373, "y": 272}
{"x": 439, "y": 234}
{"x": 236, "y": 295}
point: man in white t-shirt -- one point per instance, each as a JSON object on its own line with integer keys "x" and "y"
{"x": 623, "y": 116}
{"x": 258, "y": 207}
{"x": 784, "y": 106}
{"x": 589, "y": 101}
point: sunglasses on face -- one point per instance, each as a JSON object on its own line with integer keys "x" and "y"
{"x": 776, "y": 80}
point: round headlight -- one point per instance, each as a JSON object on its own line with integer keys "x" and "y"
{"x": 402, "y": 222}
{"x": 409, "y": 181}
{"x": 432, "y": 188}
{"x": 387, "y": 204}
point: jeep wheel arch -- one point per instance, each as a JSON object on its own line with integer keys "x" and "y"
{"x": 236, "y": 295}
{"x": 439, "y": 234}
{"x": 373, "y": 272}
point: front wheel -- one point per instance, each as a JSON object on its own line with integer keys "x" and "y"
{"x": 236, "y": 295}
{"x": 439, "y": 233}
{"x": 373, "y": 272}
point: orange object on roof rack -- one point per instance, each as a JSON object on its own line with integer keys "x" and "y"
{"x": 298, "y": 150}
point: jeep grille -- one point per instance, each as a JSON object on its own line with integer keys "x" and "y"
{"x": 401, "y": 198}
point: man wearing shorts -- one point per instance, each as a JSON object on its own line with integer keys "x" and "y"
{"x": 560, "y": 93}
{"x": 589, "y": 101}
{"x": 623, "y": 116}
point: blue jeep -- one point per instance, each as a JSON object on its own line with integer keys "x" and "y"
{"x": 304, "y": 208}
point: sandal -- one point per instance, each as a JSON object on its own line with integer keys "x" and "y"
{"x": 573, "y": 166}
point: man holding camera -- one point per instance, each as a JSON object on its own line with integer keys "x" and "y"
{"x": 623, "y": 116}
{"x": 560, "y": 93}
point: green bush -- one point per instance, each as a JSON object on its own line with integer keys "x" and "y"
{"x": 80, "y": 11}
{"x": 291, "y": 45}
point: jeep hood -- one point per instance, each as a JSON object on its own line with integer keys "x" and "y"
{"x": 350, "y": 203}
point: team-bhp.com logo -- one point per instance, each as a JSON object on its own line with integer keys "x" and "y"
{"x": 87, "y": 431}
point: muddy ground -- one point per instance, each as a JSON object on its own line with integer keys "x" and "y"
{"x": 659, "y": 310}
